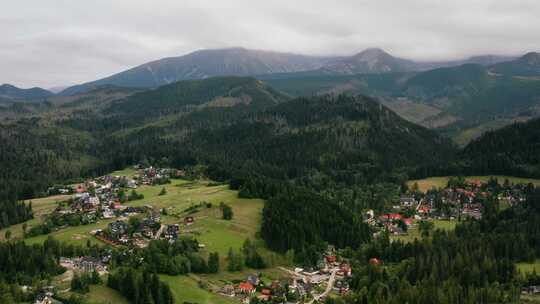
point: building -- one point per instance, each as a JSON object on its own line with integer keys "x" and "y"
{"x": 117, "y": 229}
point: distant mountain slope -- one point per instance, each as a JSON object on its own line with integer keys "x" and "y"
{"x": 206, "y": 63}
{"x": 372, "y": 60}
{"x": 184, "y": 96}
{"x": 527, "y": 65}
{"x": 8, "y": 91}
{"x": 514, "y": 149}
{"x": 461, "y": 101}
{"x": 244, "y": 62}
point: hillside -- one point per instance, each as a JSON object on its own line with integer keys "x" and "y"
{"x": 11, "y": 92}
{"x": 462, "y": 101}
{"x": 525, "y": 66}
{"x": 369, "y": 61}
{"x": 514, "y": 149}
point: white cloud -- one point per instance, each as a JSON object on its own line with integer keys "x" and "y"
{"x": 55, "y": 42}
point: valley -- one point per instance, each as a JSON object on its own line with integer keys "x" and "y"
{"x": 328, "y": 180}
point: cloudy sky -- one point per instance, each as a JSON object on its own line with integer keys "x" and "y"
{"x": 55, "y": 43}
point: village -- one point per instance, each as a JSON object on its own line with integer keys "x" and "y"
{"x": 459, "y": 200}
{"x": 105, "y": 197}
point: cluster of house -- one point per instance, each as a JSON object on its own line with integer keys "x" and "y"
{"x": 86, "y": 263}
{"x": 531, "y": 290}
{"x": 150, "y": 228}
{"x": 449, "y": 203}
{"x": 156, "y": 176}
{"x": 330, "y": 275}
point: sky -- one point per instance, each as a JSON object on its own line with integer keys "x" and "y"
{"x": 50, "y": 43}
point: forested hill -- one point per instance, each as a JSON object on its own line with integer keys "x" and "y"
{"x": 347, "y": 139}
{"x": 514, "y": 149}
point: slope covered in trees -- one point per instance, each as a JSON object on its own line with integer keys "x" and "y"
{"x": 512, "y": 150}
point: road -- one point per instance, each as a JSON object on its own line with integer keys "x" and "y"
{"x": 159, "y": 232}
{"x": 329, "y": 286}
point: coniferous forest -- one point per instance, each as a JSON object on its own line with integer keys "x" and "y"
{"x": 317, "y": 161}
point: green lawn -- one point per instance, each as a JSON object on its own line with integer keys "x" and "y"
{"x": 100, "y": 294}
{"x": 529, "y": 267}
{"x": 441, "y": 182}
{"x": 186, "y": 289}
{"x": 40, "y": 206}
{"x": 414, "y": 233}
{"x": 77, "y": 235}
{"x": 209, "y": 228}
{"x": 125, "y": 172}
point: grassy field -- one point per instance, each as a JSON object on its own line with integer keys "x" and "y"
{"x": 100, "y": 294}
{"x": 217, "y": 234}
{"x": 441, "y": 182}
{"x": 414, "y": 233}
{"x": 186, "y": 289}
{"x": 41, "y": 207}
{"x": 529, "y": 267}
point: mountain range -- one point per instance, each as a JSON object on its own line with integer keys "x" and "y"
{"x": 244, "y": 62}
{"x": 461, "y": 99}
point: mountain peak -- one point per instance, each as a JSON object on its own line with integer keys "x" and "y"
{"x": 13, "y": 92}
{"x": 531, "y": 58}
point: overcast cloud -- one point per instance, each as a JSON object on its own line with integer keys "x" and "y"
{"x": 50, "y": 43}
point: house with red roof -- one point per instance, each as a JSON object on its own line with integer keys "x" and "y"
{"x": 246, "y": 288}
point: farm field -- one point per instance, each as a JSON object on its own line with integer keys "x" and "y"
{"x": 217, "y": 234}
{"x": 440, "y": 182}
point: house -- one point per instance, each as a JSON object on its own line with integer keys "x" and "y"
{"x": 345, "y": 269}
{"x": 88, "y": 264}
{"x": 44, "y": 299}
{"x": 406, "y": 200}
{"x": 331, "y": 259}
{"x": 118, "y": 228}
{"x": 188, "y": 220}
{"x": 246, "y": 288}
{"x": 228, "y": 290}
{"x": 408, "y": 221}
{"x": 172, "y": 231}
{"x": 253, "y": 279}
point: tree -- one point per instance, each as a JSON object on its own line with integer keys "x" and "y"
{"x": 425, "y": 227}
{"x": 163, "y": 191}
{"x": 213, "y": 262}
{"x": 227, "y": 211}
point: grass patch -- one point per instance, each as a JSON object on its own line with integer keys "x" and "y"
{"x": 529, "y": 267}
{"x": 100, "y": 294}
{"x": 209, "y": 227}
{"x": 440, "y": 182}
{"x": 186, "y": 289}
{"x": 41, "y": 207}
{"x": 414, "y": 233}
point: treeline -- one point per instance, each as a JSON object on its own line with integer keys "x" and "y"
{"x": 140, "y": 287}
{"x": 513, "y": 150}
{"x": 474, "y": 264}
{"x": 13, "y": 212}
{"x": 179, "y": 257}
{"x": 304, "y": 221}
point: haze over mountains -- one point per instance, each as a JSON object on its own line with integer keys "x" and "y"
{"x": 244, "y": 62}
